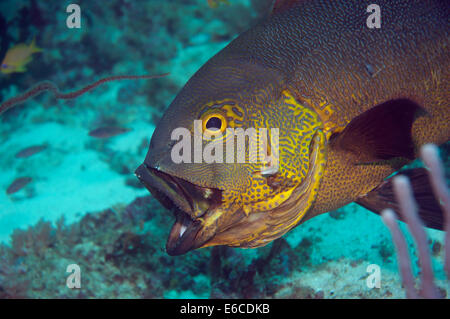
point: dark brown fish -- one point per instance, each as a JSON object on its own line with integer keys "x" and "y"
{"x": 18, "y": 184}
{"x": 29, "y": 151}
{"x": 108, "y": 131}
{"x": 352, "y": 106}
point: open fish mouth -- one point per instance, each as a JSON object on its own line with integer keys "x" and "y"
{"x": 188, "y": 202}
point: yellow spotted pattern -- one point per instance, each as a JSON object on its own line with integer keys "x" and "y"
{"x": 296, "y": 132}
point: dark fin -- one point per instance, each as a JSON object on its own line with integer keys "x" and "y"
{"x": 430, "y": 212}
{"x": 381, "y": 133}
{"x": 281, "y": 5}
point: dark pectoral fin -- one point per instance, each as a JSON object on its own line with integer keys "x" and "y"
{"x": 382, "y": 197}
{"x": 381, "y": 133}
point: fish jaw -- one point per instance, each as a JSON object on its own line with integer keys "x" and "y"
{"x": 191, "y": 205}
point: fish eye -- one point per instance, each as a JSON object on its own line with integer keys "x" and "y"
{"x": 214, "y": 123}
{"x": 4, "y": 66}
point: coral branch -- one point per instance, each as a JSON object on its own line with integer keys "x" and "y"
{"x": 403, "y": 258}
{"x": 50, "y": 86}
{"x": 431, "y": 159}
{"x": 408, "y": 210}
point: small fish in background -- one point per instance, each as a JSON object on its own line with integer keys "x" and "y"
{"x": 29, "y": 151}
{"x": 108, "y": 131}
{"x": 18, "y": 57}
{"x": 215, "y": 3}
{"x": 18, "y": 184}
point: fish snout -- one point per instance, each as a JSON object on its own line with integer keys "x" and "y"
{"x": 188, "y": 202}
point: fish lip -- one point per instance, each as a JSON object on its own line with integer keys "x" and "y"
{"x": 177, "y": 243}
{"x": 178, "y": 195}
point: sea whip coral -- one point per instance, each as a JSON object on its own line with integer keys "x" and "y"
{"x": 408, "y": 209}
{"x": 49, "y": 86}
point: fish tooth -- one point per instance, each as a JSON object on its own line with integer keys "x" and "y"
{"x": 182, "y": 230}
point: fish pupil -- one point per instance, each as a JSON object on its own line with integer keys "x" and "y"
{"x": 214, "y": 123}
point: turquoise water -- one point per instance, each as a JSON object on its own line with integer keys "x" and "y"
{"x": 83, "y": 204}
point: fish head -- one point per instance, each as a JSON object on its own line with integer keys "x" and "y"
{"x": 5, "y": 68}
{"x": 230, "y": 160}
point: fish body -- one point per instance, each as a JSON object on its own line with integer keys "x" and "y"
{"x": 352, "y": 105}
{"x": 18, "y": 184}
{"x": 18, "y": 57}
{"x": 29, "y": 151}
{"x": 107, "y": 131}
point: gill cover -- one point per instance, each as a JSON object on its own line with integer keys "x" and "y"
{"x": 289, "y": 194}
